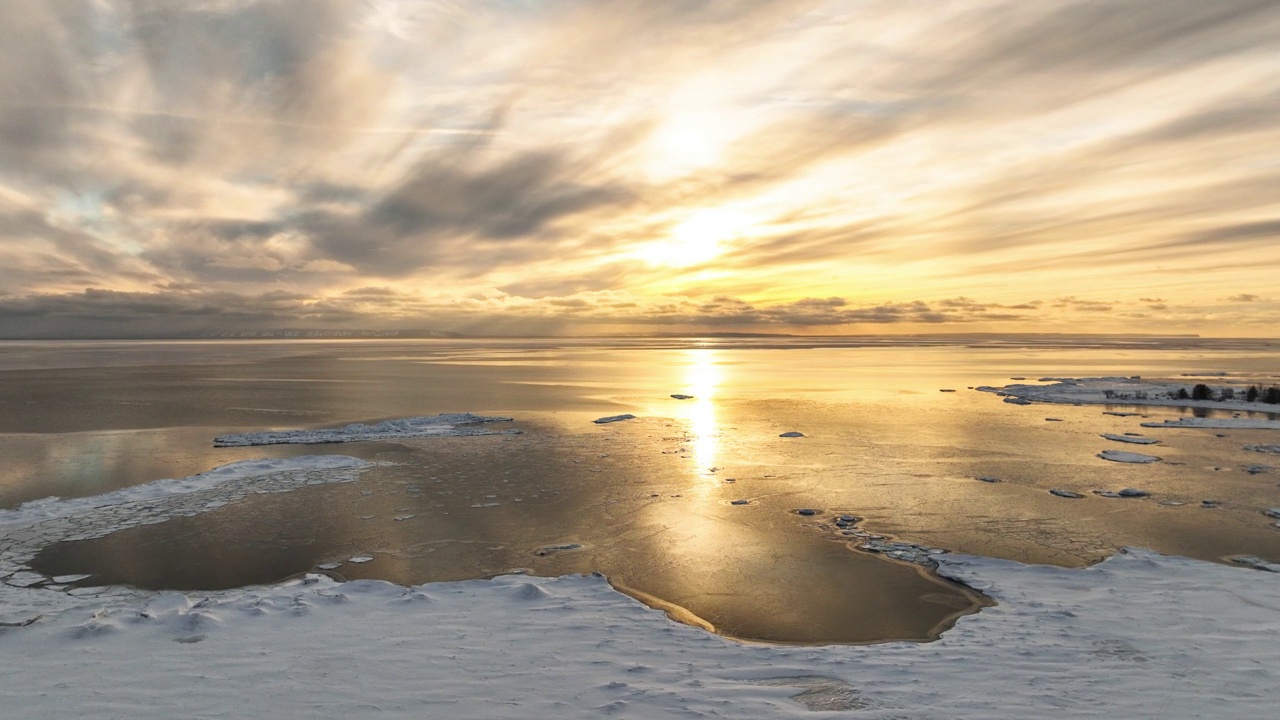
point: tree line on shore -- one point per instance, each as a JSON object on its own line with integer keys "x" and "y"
{"x": 1253, "y": 393}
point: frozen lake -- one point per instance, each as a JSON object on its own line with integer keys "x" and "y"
{"x": 649, "y": 502}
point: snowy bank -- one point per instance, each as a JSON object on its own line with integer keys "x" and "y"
{"x": 1139, "y": 635}
{"x": 444, "y": 424}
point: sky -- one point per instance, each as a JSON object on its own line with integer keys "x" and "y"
{"x": 578, "y": 167}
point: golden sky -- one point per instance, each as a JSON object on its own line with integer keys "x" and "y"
{"x": 598, "y": 166}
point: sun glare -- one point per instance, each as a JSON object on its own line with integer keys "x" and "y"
{"x": 682, "y": 145}
{"x": 699, "y": 238}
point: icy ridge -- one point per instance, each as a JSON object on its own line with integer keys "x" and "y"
{"x": 444, "y": 424}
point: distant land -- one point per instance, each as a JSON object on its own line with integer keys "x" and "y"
{"x": 314, "y": 334}
{"x": 418, "y": 334}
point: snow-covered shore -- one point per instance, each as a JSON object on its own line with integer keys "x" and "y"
{"x": 1125, "y": 391}
{"x": 1139, "y": 635}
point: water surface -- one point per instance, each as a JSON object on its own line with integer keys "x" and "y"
{"x": 648, "y": 501}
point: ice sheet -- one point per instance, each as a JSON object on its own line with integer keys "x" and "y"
{"x": 445, "y": 424}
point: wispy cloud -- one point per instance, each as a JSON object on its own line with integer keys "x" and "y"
{"x": 827, "y": 165}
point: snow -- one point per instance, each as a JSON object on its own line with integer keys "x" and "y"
{"x": 232, "y": 474}
{"x": 444, "y": 424}
{"x": 1133, "y": 439}
{"x": 1217, "y": 423}
{"x": 1119, "y": 391}
{"x": 1127, "y": 457}
{"x": 1139, "y": 635}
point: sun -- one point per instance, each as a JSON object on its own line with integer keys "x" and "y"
{"x": 701, "y": 237}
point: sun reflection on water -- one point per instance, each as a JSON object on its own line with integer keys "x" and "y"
{"x": 702, "y": 377}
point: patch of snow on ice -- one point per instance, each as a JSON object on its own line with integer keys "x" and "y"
{"x": 445, "y": 424}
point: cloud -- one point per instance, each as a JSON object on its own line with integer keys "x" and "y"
{"x": 921, "y": 163}
{"x": 192, "y": 311}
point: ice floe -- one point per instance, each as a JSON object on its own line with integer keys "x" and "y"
{"x": 1066, "y": 494}
{"x": 1127, "y": 457}
{"x": 546, "y": 550}
{"x": 1123, "y": 493}
{"x": 1274, "y": 449}
{"x": 614, "y": 418}
{"x": 845, "y": 528}
{"x": 1133, "y": 439}
{"x": 791, "y": 434}
{"x": 904, "y": 551}
{"x": 445, "y": 424}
